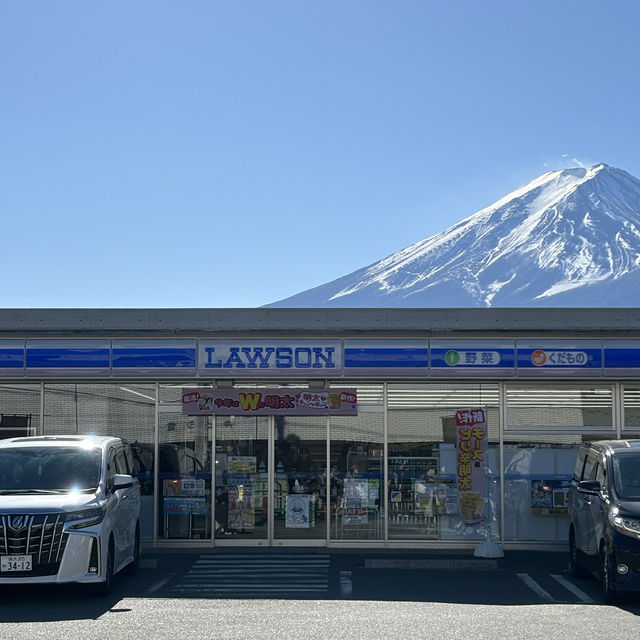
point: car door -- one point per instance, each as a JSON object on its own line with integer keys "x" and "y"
{"x": 598, "y": 513}
{"x": 579, "y": 506}
{"x": 582, "y": 508}
{"x": 117, "y": 509}
{"x": 129, "y": 499}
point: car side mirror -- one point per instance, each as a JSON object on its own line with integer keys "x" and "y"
{"x": 589, "y": 487}
{"x": 122, "y": 481}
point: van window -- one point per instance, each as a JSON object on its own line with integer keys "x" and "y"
{"x": 111, "y": 470}
{"x": 626, "y": 476}
{"x": 121, "y": 461}
{"x": 601, "y": 475}
{"x": 577, "y": 473}
{"x": 130, "y": 464}
{"x": 589, "y": 466}
{"x": 49, "y": 469}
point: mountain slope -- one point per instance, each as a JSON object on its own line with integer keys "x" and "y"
{"x": 568, "y": 238}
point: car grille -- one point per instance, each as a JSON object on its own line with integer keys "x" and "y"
{"x": 39, "y": 535}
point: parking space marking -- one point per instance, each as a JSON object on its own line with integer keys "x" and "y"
{"x": 535, "y": 587}
{"x": 579, "y": 593}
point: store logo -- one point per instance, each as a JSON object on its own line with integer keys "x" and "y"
{"x": 271, "y": 358}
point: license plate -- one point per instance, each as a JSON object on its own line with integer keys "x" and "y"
{"x": 15, "y": 563}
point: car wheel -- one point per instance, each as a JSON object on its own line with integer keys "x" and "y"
{"x": 132, "y": 568}
{"x": 575, "y": 566}
{"x": 608, "y": 577}
{"x": 102, "y": 589}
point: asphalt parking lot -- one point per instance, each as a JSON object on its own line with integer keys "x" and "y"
{"x": 521, "y": 577}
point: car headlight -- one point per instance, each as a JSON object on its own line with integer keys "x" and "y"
{"x": 86, "y": 517}
{"x": 626, "y": 525}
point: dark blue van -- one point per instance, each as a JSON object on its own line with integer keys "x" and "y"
{"x": 604, "y": 510}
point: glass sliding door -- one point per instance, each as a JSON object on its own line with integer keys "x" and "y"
{"x": 299, "y": 488}
{"x": 184, "y": 475}
{"x": 356, "y": 476}
{"x": 242, "y": 478}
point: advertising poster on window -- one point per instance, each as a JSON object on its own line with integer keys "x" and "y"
{"x": 549, "y": 497}
{"x": 356, "y": 501}
{"x": 269, "y": 402}
{"x": 471, "y": 441}
{"x": 298, "y": 511}
{"x": 242, "y": 464}
{"x": 185, "y": 506}
{"x": 241, "y": 513}
{"x": 192, "y": 487}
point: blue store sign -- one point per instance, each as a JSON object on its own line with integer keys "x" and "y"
{"x": 265, "y": 358}
{"x": 559, "y": 357}
{"x": 310, "y": 358}
{"x": 487, "y": 357}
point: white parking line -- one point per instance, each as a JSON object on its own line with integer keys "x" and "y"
{"x": 535, "y": 587}
{"x": 567, "y": 584}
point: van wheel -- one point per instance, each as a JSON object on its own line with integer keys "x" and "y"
{"x": 607, "y": 565}
{"x": 575, "y": 566}
{"x": 102, "y": 589}
{"x": 132, "y": 568}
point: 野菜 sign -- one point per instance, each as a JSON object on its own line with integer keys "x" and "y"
{"x": 288, "y": 401}
{"x": 471, "y": 439}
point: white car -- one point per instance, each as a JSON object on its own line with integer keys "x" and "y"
{"x": 69, "y": 510}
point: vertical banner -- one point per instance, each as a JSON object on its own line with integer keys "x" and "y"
{"x": 471, "y": 430}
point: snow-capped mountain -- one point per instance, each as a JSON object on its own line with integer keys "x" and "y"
{"x": 568, "y": 238}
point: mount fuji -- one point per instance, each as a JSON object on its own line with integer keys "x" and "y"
{"x": 569, "y": 238}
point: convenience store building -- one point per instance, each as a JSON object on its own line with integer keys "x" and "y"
{"x": 332, "y": 427}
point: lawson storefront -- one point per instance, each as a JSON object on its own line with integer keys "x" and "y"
{"x": 379, "y": 427}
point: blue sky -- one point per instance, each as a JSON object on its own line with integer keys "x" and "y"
{"x": 230, "y": 154}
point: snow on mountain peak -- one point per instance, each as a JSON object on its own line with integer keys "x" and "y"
{"x": 560, "y": 240}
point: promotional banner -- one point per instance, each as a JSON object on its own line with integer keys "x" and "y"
{"x": 277, "y": 402}
{"x": 549, "y": 497}
{"x": 471, "y": 430}
{"x": 298, "y": 511}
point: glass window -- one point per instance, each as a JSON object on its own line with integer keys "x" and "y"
{"x": 19, "y": 410}
{"x": 241, "y": 468}
{"x": 111, "y": 409}
{"x": 300, "y": 476}
{"x": 631, "y": 396}
{"x": 558, "y": 407}
{"x": 423, "y": 461}
{"x": 184, "y": 474}
{"x": 626, "y": 476}
{"x": 356, "y": 475}
{"x": 111, "y": 471}
{"x": 50, "y": 469}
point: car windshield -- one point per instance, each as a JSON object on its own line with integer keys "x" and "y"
{"x": 626, "y": 476}
{"x": 49, "y": 469}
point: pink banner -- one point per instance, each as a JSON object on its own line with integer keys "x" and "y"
{"x": 471, "y": 429}
{"x": 275, "y": 402}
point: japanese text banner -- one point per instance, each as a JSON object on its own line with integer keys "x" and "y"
{"x": 471, "y": 430}
{"x": 294, "y": 402}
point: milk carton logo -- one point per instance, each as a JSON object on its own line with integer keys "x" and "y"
{"x": 566, "y": 358}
